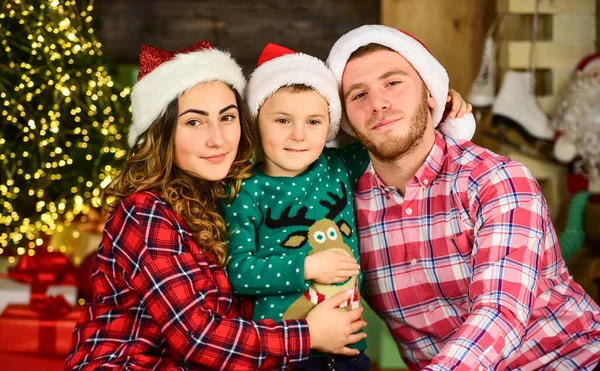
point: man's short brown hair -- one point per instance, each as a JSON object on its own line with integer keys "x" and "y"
{"x": 367, "y": 49}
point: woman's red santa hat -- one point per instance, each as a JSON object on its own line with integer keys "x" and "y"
{"x": 414, "y": 51}
{"x": 279, "y": 67}
{"x": 164, "y": 76}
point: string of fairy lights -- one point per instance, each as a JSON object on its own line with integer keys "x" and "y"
{"x": 62, "y": 120}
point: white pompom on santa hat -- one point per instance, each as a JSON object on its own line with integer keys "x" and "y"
{"x": 414, "y": 51}
{"x": 279, "y": 67}
{"x": 165, "y": 75}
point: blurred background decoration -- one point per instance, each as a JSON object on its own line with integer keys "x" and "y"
{"x": 63, "y": 121}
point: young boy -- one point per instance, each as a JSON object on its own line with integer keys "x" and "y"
{"x": 293, "y": 238}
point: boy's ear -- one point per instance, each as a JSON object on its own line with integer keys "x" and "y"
{"x": 430, "y": 101}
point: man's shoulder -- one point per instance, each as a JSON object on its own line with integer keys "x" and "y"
{"x": 481, "y": 164}
{"x": 466, "y": 155}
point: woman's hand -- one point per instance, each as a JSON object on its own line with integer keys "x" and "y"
{"x": 331, "y": 329}
{"x": 327, "y": 267}
{"x": 459, "y": 106}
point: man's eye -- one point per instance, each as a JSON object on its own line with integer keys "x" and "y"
{"x": 393, "y": 83}
{"x": 359, "y": 95}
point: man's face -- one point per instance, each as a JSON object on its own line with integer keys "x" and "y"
{"x": 387, "y": 103}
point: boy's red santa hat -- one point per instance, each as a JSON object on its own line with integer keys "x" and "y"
{"x": 279, "y": 66}
{"x": 164, "y": 76}
{"x": 414, "y": 51}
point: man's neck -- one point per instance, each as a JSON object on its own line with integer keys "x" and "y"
{"x": 397, "y": 173}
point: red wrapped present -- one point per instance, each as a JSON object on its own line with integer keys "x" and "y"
{"x": 24, "y": 330}
{"x": 41, "y": 330}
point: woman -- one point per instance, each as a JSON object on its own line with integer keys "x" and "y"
{"x": 162, "y": 296}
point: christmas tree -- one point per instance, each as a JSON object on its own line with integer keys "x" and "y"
{"x": 61, "y": 123}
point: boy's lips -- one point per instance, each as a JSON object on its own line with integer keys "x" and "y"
{"x": 295, "y": 150}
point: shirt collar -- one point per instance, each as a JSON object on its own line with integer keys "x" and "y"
{"x": 433, "y": 163}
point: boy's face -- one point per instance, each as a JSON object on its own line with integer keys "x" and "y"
{"x": 293, "y": 129}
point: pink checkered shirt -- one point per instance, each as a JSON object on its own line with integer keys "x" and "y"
{"x": 466, "y": 269}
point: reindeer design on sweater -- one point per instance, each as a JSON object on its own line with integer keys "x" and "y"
{"x": 323, "y": 234}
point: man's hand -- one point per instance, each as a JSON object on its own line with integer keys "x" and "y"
{"x": 331, "y": 329}
{"x": 327, "y": 267}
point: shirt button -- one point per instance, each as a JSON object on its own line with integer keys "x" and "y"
{"x": 413, "y": 262}
{"x": 425, "y": 181}
{"x": 431, "y": 308}
{"x": 408, "y": 211}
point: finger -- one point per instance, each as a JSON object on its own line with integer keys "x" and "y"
{"x": 349, "y": 266}
{"x": 354, "y": 314}
{"x": 469, "y": 107}
{"x": 448, "y": 98}
{"x": 347, "y": 259}
{"x": 345, "y": 273}
{"x": 336, "y": 300}
{"x": 345, "y": 351}
{"x": 354, "y": 338}
{"x": 357, "y": 325}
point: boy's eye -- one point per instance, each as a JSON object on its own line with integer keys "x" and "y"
{"x": 314, "y": 122}
{"x": 282, "y": 121}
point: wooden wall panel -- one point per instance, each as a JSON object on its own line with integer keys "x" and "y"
{"x": 242, "y": 26}
{"x": 453, "y": 30}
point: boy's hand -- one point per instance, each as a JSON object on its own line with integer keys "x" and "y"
{"x": 327, "y": 267}
{"x": 459, "y": 106}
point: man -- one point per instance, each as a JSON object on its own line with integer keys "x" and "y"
{"x": 459, "y": 254}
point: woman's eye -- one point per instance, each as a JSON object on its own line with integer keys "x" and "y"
{"x": 282, "y": 121}
{"x": 314, "y": 122}
{"x": 228, "y": 118}
{"x": 193, "y": 123}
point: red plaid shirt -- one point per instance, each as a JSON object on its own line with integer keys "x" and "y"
{"x": 161, "y": 303}
{"x": 466, "y": 269}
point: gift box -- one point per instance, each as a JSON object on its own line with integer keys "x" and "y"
{"x": 14, "y": 292}
{"x": 47, "y": 333}
{"x": 36, "y": 335}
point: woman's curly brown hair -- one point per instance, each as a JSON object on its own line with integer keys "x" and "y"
{"x": 150, "y": 166}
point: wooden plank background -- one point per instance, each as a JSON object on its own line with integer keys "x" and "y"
{"x": 241, "y": 26}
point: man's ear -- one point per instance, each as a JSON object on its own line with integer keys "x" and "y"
{"x": 430, "y": 101}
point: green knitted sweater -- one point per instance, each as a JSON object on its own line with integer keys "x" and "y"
{"x": 275, "y": 222}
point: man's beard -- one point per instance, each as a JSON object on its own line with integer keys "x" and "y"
{"x": 391, "y": 148}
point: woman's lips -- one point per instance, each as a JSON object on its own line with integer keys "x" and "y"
{"x": 216, "y": 158}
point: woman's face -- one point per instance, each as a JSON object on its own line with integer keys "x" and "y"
{"x": 208, "y": 130}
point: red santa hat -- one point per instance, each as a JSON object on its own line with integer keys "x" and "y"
{"x": 589, "y": 63}
{"x": 416, "y": 53}
{"x": 164, "y": 76}
{"x": 279, "y": 66}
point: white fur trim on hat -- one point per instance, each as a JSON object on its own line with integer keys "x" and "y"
{"x": 431, "y": 71}
{"x": 153, "y": 93}
{"x": 290, "y": 69}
